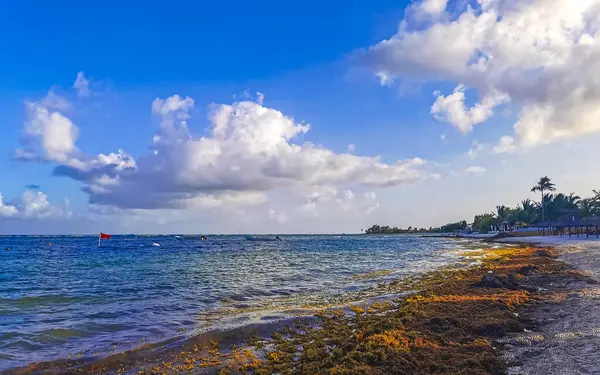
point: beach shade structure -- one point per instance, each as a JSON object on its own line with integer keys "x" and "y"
{"x": 567, "y": 224}
{"x": 102, "y": 236}
{"x": 592, "y": 222}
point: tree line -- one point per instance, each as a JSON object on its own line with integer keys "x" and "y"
{"x": 385, "y": 229}
{"x": 551, "y": 207}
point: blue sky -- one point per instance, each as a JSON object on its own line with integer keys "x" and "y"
{"x": 326, "y": 64}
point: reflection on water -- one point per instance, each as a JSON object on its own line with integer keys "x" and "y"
{"x": 73, "y": 297}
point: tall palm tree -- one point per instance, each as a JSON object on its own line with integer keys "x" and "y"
{"x": 596, "y": 195}
{"x": 544, "y": 184}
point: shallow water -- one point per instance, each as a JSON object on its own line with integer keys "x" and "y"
{"x": 73, "y": 298}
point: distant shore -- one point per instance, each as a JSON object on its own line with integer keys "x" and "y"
{"x": 453, "y": 320}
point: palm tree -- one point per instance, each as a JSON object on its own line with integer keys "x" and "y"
{"x": 596, "y": 195}
{"x": 544, "y": 184}
{"x": 588, "y": 207}
{"x": 573, "y": 199}
{"x": 527, "y": 213}
{"x": 504, "y": 215}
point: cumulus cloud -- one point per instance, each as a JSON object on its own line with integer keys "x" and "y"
{"x": 541, "y": 55}
{"x": 250, "y": 151}
{"x": 475, "y": 170}
{"x": 7, "y": 210}
{"x": 33, "y": 204}
{"x": 82, "y": 85}
{"x": 506, "y": 144}
{"x": 433, "y": 7}
{"x": 452, "y": 109}
{"x": 48, "y": 134}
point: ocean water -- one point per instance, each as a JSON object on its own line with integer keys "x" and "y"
{"x": 63, "y": 296}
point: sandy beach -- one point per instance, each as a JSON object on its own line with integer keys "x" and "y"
{"x": 566, "y": 337}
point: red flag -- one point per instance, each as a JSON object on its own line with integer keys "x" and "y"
{"x": 104, "y": 236}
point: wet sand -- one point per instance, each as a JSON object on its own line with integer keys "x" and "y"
{"x": 541, "y": 319}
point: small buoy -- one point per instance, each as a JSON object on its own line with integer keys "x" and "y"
{"x": 49, "y": 244}
{"x": 155, "y": 244}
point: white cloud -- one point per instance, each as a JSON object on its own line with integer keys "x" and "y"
{"x": 452, "y": 109}
{"x": 427, "y": 10}
{"x": 506, "y": 144}
{"x": 348, "y": 194}
{"x": 34, "y": 204}
{"x": 443, "y": 137}
{"x": 48, "y": 133}
{"x": 56, "y": 102}
{"x": 542, "y": 55}
{"x": 173, "y": 108}
{"x": 370, "y": 195}
{"x": 250, "y": 151}
{"x": 433, "y": 7}
{"x": 82, "y": 85}
{"x": 260, "y": 98}
{"x": 327, "y": 199}
{"x": 7, "y": 210}
{"x": 277, "y": 216}
{"x": 475, "y": 150}
{"x": 351, "y": 148}
{"x": 475, "y": 170}
{"x": 372, "y": 208}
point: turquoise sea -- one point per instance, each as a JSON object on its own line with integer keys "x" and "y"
{"x": 62, "y": 296}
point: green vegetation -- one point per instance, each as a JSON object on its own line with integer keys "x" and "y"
{"x": 528, "y": 213}
{"x": 384, "y": 229}
{"x": 453, "y": 227}
{"x": 551, "y": 208}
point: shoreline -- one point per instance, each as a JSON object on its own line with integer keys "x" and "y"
{"x": 441, "y": 292}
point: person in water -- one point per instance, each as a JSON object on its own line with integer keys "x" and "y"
{"x": 203, "y": 238}
{"x": 277, "y": 238}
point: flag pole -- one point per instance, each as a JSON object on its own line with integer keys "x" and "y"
{"x": 99, "y": 238}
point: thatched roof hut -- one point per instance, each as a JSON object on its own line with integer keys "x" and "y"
{"x": 593, "y": 221}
